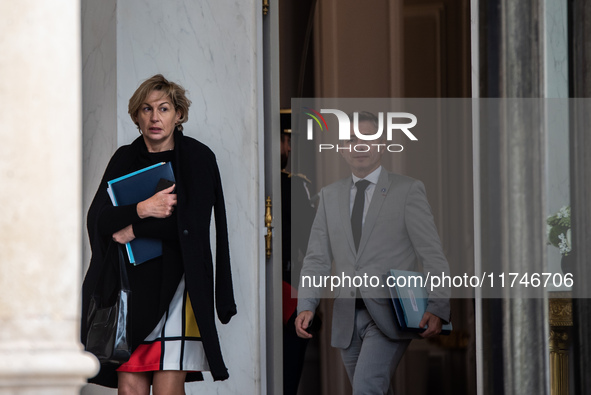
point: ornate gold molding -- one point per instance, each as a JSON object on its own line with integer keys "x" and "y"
{"x": 560, "y": 306}
{"x": 561, "y": 311}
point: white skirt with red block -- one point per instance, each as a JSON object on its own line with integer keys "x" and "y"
{"x": 175, "y": 343}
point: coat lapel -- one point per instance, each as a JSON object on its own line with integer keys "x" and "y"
{"x": 379, "y": 195}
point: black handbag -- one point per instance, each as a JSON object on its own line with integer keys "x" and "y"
{"x": 109, "y": 323}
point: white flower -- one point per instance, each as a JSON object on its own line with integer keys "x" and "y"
{"x": 564, "y": 246}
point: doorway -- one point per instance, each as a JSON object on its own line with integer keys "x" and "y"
{"x": 347, "y": 49}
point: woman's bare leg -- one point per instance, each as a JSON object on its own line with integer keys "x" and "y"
{"x": 169, "y": 382}
{"x": 136, "y": 383}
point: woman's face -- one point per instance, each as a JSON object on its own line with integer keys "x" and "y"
{"x": 157, "y": 118}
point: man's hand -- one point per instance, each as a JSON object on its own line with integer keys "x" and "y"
{"x": 433, "y": 325}
{"x": 124, "y": 235}
{"x": 160, "y": 205}
{"x": 302, "y": 322}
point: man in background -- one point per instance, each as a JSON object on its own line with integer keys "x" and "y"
{"x": 368, "y": 223}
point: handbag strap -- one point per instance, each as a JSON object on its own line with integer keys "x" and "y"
{"x": 124, "y": 280}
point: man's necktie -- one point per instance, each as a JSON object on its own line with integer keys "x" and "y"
{"x": 357, "y": 215}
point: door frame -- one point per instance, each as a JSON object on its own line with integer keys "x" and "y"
{"x": 271, "y": 274}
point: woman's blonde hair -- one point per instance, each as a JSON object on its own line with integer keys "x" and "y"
{"x": 168, "y": 88}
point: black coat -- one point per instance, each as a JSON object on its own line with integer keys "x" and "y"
{"x": 199, "y": 189}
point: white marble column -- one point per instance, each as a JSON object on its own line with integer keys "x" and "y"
{"x": 40, "y": 197}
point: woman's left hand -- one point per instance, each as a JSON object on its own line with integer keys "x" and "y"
{"x": 124, "y": 235}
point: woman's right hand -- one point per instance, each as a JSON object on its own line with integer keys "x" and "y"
{"x": 161, "y": 205}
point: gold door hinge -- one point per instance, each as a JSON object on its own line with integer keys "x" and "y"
{"x": 265, "y": 7}
{"x": 268, "y": 224}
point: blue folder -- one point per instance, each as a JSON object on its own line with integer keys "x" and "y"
{"x": 410, "y": 301}
{"x": 133, "y": 188}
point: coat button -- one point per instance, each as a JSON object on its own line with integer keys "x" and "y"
{"x": 186, "y": 232}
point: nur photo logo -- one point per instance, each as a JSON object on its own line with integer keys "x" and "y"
{"x": 395, "y": 122}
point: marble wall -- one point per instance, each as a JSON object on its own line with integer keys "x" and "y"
{"x": 211, "y": 48}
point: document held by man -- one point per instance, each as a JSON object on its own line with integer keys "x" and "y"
{"x": 410, "y": 298}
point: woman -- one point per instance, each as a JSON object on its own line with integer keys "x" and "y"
{"x": 174, "y": 337}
